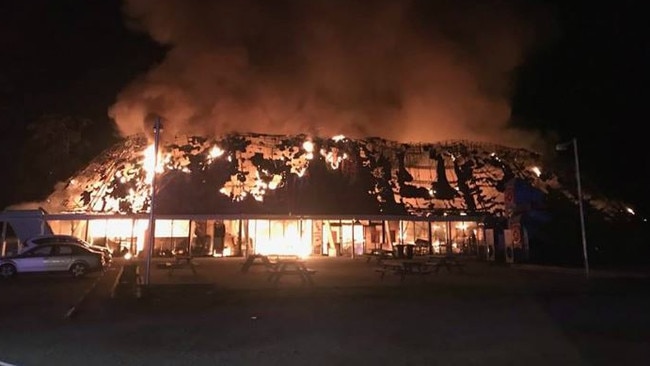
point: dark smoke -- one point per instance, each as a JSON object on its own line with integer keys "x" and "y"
{"x": 403, "y": 70}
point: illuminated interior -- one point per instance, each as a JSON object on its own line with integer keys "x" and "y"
{"x": 289, "y": 237}
{"x": 301, "y": 237}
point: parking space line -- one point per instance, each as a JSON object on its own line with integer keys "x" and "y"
{"x": 74, "y": 308}
{"x": 116, "y": 282}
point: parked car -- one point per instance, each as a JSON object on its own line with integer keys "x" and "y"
{"x": 76, "y": 259}
{"x": 56, "y": 239}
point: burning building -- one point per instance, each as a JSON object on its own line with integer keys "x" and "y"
{"x": 251, "y": 193}
{"x": 318, "y": 68}
{"x": 402, "y": 69}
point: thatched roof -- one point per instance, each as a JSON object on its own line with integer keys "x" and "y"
{"x": 276, "y": 175}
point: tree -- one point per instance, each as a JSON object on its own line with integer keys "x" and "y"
{"x": 55, "y": 148}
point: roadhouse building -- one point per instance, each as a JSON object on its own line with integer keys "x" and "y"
{"x": 242, "y": 194}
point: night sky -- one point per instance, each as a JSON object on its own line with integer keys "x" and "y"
{"x": 530, "y": 72}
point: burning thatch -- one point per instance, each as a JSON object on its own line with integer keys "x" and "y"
{"x": 301, "y": 175}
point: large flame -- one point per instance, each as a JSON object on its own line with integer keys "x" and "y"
{"x": 291, "y": 243}
{"x": 150, "y": 165}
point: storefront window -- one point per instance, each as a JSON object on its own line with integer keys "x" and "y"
{"x": 172, "y": 237}
{"x": 121, "y": 236}
{"x": 280, "y": 237}
{"x": 294, "y": 236}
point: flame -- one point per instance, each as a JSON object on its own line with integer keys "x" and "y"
{"x": 227, "y": 252}
{"x": 275, "y": 182}
{"x": 259, "y": 189}
{"x": 536, "y": 170}
{"x": 149, "y": 164}
{"x": 333, "y": 157}
{"x": 234, "y": 189}
{"x": 289, "y": 244}
{"x": 301, "y": 172}
{"x": 300, "y": 167}
{"x": 308, "y": 146}
{"x": 215, "y": 152}
{"x": 338, "y": 138}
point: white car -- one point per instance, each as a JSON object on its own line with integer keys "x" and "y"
{"x": 56, "y": 239}
{"x": 78, "y": 260}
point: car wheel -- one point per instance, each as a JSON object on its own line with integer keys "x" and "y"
{"x": 78, "y": 270}
{"x": 7, "y": 270}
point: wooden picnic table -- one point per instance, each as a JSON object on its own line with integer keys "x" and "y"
{"x": 181, "y": 262}
{"x": 267, "y": 260}
{"x": 256, "y": 259}
{"x": 291, "y": 267}
{"x": 406, "y": 267}
{"x": 379, "y": 255}
{"x": 448, "y": 261}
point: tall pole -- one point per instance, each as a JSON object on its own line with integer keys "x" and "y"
{"x": 152, "y": 222}
{"x": 582, "y": 215}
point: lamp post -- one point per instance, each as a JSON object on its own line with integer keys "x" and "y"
{"x": 157, "y": 127}
{"x": 561, "y": 147}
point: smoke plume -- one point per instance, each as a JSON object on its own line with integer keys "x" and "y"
{"x": 413, "y": 71}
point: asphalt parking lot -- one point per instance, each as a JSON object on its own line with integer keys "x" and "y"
{"x": 221, "y": 316}
{"x": 46, "y": 299}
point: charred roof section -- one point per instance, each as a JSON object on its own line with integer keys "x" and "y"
{"x": 256, "y": 174}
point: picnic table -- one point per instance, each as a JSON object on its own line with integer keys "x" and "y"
{"x": 405, "y": 268}
{"x": 379, "y": 255}
{"x": 448, "y": 261}
{"x": 267, "y": 260}
{"x": 181, "y": 262}
{"x": 292, "y": 267}
{"x": 256, "y": 259}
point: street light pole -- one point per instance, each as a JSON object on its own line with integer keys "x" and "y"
{"x": 580, "y": 204}
{"x": 152, "y": 222}
{"x": 574, "y": 142}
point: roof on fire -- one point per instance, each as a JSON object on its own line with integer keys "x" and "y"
{"x": 256, "y": 174}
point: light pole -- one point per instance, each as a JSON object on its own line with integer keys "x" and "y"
{"x": 157, "y": 127}
{"x": 561, "y": 147}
